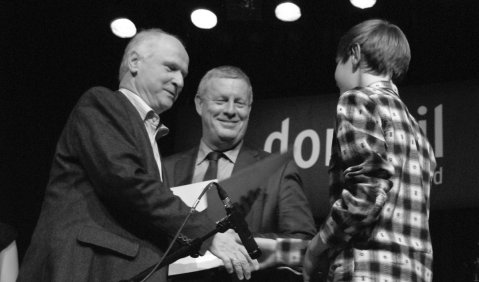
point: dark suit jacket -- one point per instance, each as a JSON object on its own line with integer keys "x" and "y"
{"x": 106, "y": 215}
{"x": 280, "y": 209}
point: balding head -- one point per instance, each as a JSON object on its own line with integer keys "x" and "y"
{"x": 154, "y": 66}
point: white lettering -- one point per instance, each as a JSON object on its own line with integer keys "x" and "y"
{"x": 315, "y": 148}
{"x": 438, "y": 129}
{"x": 282, "y": 136}
{"x": 437, "y": 178}
{"x": 329, "y": 144}
{"x": 438, "y": 133}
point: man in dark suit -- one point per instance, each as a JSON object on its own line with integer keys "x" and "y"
{"x": 277, "y": 209}
{"x": 108, "y": 212}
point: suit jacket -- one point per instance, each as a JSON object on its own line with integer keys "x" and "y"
{"x": 278, "y": 209}
{"x": 106, "y": 215}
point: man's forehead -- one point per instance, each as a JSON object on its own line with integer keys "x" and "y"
{"x": 166, "y": 41}
{"x": 163, "y": 42}
{"x": 219, "y": 81}
{"x": 224, "y": 85}
{"x": 170, "y": 50}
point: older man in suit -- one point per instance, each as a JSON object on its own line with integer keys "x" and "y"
{"x": 277, "y": 209}
{"x": 108, "y": 212}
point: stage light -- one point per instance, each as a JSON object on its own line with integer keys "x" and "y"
{"x": 287, "y": 12}
{"x": 363, "y": 4}
{"x": 203, "y": 18}
{"x": 123, "y": 28}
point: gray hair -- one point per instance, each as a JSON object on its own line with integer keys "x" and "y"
{"x": 140, "y": 39}
{"x": 224, "y": 72}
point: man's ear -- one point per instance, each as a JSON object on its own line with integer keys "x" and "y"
{"x": 198, "y": 103}
{"x": 356, "y": 56}
{"x": 133, "y": 60}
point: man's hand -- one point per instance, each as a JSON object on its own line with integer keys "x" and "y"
{"x": 234, "y": 255}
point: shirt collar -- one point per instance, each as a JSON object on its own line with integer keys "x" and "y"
{"x": 231, "y": 154}
{"x": 389, "y": 85}
{"x": 146, "y": 112}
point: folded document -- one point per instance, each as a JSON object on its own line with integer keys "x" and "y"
{"x": 189, "y": 194}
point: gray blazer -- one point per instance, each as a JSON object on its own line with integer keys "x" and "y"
{"x": 106, "y": 215}
{"x": 279, "y": 209}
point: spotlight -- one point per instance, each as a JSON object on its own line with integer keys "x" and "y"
{"x": 363, "y": 4}
{"x": 123, "y": 28}
{"x": 287, "y": 12}
{"x": 203, "y": 18}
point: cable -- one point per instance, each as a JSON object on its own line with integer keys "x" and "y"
{"x": 192, "y": 210}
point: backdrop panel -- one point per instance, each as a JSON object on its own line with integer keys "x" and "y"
{"x": 447, "y": 112}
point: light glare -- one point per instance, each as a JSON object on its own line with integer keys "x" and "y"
{"x": 287, "y": 12}
{"x": 203, "y": 18}
{"x": 123, "y": 28}
{"x": 363, "y": 4}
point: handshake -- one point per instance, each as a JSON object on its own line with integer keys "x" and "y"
{"x": 284, "y": 253}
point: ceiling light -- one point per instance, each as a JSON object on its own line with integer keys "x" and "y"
{"x": 203, "y": 18}
{"x": 287, "y": 12}
{"x": 123, "y": 28}
{"x": 363, "y": 4}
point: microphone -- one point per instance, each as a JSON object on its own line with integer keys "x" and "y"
{"x": 206, "y": 189}
{"x": 239, "y": 224}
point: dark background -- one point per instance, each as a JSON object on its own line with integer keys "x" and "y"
{"x": 52, "y": 51}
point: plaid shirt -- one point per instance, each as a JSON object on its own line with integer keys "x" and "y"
{"x": 380, "y": 176}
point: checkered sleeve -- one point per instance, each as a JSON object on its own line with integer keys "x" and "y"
{"x": 290, "y": 251}
{"x": 361, "y": 147}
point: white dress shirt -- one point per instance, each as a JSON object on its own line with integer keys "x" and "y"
{"x": 152, "y": 123}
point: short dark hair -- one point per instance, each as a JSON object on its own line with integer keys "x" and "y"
{"x": 384, "y": 48}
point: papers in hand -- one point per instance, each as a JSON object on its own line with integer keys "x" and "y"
{"x": 189, "y": 264}
{"x": 189, "y": 194}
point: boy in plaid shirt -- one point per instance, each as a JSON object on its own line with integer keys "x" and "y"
{"x": 380, "y": 169}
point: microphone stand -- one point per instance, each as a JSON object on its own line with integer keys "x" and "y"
{"x": 221, "y": 226}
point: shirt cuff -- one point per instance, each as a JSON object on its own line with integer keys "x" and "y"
{"x": 290, "y": 251}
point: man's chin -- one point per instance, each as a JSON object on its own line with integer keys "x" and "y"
{"x": 165, "y": 104}
{"x": 228, "y": 138}
{"x": 227, "y": 131}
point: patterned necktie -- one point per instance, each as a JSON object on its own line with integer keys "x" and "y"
{"x": 212, "y": 171}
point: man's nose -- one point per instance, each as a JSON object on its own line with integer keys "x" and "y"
{"x": 178, "y": 80}
{"x": 230, "y": 107}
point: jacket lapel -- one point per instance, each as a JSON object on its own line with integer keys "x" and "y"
{"x": 251, "y": 204}
{"x": 184, "y": 168}
{"x": 138, "y": 126}
{"x": 246, "y": 157}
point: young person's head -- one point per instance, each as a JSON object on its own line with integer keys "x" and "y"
{"x": 377, "y": 47}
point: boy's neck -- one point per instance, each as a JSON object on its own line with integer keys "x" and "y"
{"x": 367, "y": 79}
